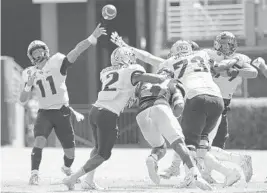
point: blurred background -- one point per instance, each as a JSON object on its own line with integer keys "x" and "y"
{"x": 152, "y": 25}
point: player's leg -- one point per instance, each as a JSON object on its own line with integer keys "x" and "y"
{"x": 243, "y": 161}
{"x": 206, "y": 173}
{"x": 214, "y": 107}
{"x": 149, "y": 130}
{"x": 193, "y": 121}
{"x": 106, "y": 122}
{"x": 42, "y": 130}
{"x": 65, "y": 134}
{"x": 170, "y": 128}
{"x": 88, "y": 182}
{"x": 222, "y": 134}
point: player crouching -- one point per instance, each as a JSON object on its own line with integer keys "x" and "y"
{"x": 157, "y": 121}
{"x": 118, "y": 85}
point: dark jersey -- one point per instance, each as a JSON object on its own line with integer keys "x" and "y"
{"x": 151, "y": 94}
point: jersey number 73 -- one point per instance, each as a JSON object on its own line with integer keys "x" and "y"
{"x": 195, "y": 60}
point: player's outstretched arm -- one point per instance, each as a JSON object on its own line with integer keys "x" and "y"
{"x": 261, "y": 65}
{"x": 140, "y": 54}
{"x": 83, "y": 45}
{"x": 247, "y": 71}
{"x": 147, "y": 77}
{"x": 178, "y": 94}
{"x": 147, "y": 57}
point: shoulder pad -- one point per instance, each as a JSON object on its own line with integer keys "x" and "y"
{"x": 242, "y": 58}
{"x": 56, "y": 60}
{"x": 137, "y": 67}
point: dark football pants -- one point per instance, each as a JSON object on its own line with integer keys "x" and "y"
{"x": 223, "y": 132}
{"x": 199, "y": 117}
{"x": 60, "y": 120}
{"x": 104, "y": 125}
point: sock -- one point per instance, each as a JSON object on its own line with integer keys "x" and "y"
{"x": 223, "y": 155}
{"x": 214, "y": 164}
{"x": 36, "y": 157}
{"x": 79, "y": 173}
{"x": 67, "y": 161}
{"x": 90, "y": 177}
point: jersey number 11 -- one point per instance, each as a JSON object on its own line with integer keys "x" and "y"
{"x": 51, "y": 83}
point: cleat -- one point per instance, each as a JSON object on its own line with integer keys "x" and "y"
{"x": 69, "y": 182}
{"x": 246, "y": 165}
{"x": 67, "y": 171}
{"x": 152, "y": 168}
{"x": 232, "y": 178}
{"x": 194, "y": 179}
{"x": 34, "y": 179}
{"x": 173, "y": 170}
{"x": 90, "y": 186}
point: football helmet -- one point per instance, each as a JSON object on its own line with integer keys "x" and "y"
{"x": 225, "y": 43}
{"x": 36, "y": 44}
{"x": 166, "y": 71}
{"x": 122, "y": 56}
{"x": 181, "y": 48}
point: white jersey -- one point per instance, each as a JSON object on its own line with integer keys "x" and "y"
{"x": 194, "y": 72}
{"x": 50, "y": 84}
{"x": 228, "y": 85}
{"x": 117, "y": 87}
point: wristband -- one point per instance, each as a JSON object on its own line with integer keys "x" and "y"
{"x": 27, "y": 88}
{"x": 92, "y": 39}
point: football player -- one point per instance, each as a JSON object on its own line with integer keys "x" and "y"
{"x": 225, "y": 46}
{"x": 193, "y": 69}
{"x": 48, "y": 75}
{"x": 228, "y": 82}
{"x": 118, "y": 85}
{"x": 157, "y": 121}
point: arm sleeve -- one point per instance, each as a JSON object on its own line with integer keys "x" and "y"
{"x": 135, "y": 70}
{"x": 65, "y": 65}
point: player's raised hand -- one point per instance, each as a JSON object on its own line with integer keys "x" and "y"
{"x": 31, "y": 79}
{"x": 99, "y": 31}
{"x": 116, "y": 39}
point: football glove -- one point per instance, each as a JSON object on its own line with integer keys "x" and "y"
{"x": 258, "y": 62}
{"x": 116, "y": 39}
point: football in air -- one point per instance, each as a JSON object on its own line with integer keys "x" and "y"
{"x": 109, "y": 12}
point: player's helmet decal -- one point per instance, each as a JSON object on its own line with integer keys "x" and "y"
{"x": 225, "y": 43}
{"x": 36, "y": 44}
{"x": 123, "y": 55}
{"x": 166, "y": 71}
{"x": 181, "y": 48}
{"x": 194, "y": 45}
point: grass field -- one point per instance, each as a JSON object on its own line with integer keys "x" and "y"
{"x": 125, "y": 172}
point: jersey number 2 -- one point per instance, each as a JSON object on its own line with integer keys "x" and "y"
{"x": 114, "y": 77}
{"x": 52, "y": 85}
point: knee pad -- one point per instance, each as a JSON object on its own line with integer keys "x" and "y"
{"x": 70, "y": 153}
{"x": 40, "y": 142}
{"x": 68, "y": 142}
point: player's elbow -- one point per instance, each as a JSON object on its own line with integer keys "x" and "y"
{"x": 253, "y": 73}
